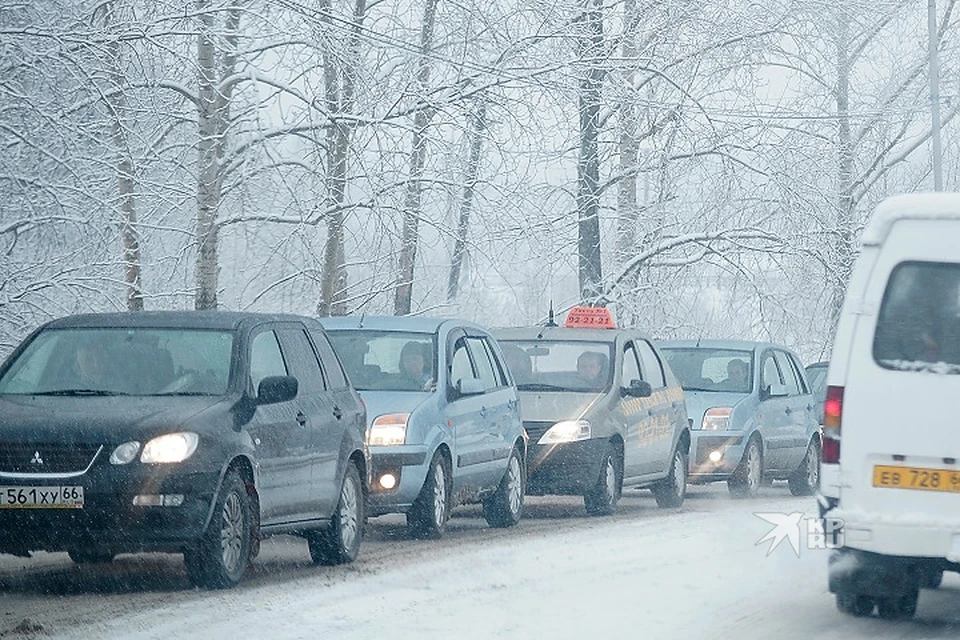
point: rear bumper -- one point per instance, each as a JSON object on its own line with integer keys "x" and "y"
{"x": 564, "y": 469}
{"x": 880, "y": 576}
{"x": 891, "y": 538}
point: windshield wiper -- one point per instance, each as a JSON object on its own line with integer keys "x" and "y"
{"x": 80, "y": 392}
{"x": 539, "y": 386}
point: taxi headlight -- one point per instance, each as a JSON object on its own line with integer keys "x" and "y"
{"x": 566, "y": 431}
{"x": 172, "y": 447}
{"x": 388, "y": 430}
{"x": 716, "y": 419}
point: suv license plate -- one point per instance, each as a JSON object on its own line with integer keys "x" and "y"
{"x": 916, "y": 478}
{"x": 41, "y": 497}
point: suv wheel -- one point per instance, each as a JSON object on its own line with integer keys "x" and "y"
{"x": 221, "y": 557}
{"x": 747, "y": 479}
{"x": 340, "y": 542}
{"x": 806, "y": 480}
{"x": 671, "y": 491}
{"x": 601, "y": 499}
{"x": 505, "y": 507}
{"x": 428, "y": 516}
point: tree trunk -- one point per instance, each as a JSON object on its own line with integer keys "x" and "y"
{"x": 208, "y": 186}
{"x": 845, "y": 249}
{"x": 475, "y": 130}
{"x": 588, "y": 166}
{"x": 339, "y": 88}
{"x": 418, "y": 153}
{"x": 123, "y": 166}
{"x": 627, "y": 205}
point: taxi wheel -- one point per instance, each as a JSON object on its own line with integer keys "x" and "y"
{"x": 222, "y": 555}
{"x": 428, "y": 516}
{"x": 671, "y": 491}
{"x": 601, "y": 499}
{"x": 85, "y": 556}
{"x": 747, "y": 479}
{"x": 505, "y": 507}
{"x": 339, "y": 543}
{"x": 806, "y": 480}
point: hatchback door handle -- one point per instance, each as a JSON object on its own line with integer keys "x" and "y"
{"x": 483, "y": 412}
{"x": 337, "y": 413}
{"x": 788, "y": 410}
{"x": 301, "y": 419}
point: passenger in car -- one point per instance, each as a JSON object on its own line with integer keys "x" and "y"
{"x": 415, "y": 364}
{"x": 518, "y": 361}
{"x": 591, "y": 367}
{"x": 736, "y": 379}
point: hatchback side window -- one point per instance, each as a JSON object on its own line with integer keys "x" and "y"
{"x": 265, "y": 358}
{"x": 460, "y": 365}
{"x": 789, "y": 375}
{"x": 302, "y": 360}
{"x": 769, "y": 374}
{"x": 335, "y": 377}
{"x": 499, "y": 370}
{"x": 801, "y": 376}
{"x": 651, "y": 364}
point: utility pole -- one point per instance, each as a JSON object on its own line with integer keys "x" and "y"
{"x": 935, "y": 94}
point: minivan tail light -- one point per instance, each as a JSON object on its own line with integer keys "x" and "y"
{"x": 832, "y": 419}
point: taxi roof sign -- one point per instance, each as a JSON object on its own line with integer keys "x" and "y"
{"x": 590, "y": 318}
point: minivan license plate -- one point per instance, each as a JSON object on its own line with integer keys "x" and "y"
{"x": 41, "y": 497}
{"x": 916, "y": 478}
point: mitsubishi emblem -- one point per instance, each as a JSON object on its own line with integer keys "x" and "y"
{"x": 36, "y": 459}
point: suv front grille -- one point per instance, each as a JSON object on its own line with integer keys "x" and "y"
{"x": 43, "y": 458}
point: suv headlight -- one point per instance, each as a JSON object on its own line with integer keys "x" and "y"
{"x": 389, "y": 430}
{"x": 125, "y": 453}
{"x": 566, "y": 431}
{"x": 172, "y": 447}
{"x": 716, "y": 419}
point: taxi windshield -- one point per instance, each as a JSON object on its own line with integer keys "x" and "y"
{"x": 559, "y": 366}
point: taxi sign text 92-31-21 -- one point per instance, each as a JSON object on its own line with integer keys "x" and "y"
{"x": 592, "y": 317}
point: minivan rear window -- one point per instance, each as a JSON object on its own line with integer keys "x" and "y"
{"x": 918, "y": 327}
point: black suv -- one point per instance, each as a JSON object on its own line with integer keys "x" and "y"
{"x": 185, "y": 432}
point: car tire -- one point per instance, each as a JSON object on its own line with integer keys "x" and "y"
{"x": 428, "y": 516}
{"x": 505, "y": 507}
{"x": 601, "y": 498}
{"x": 902, "y": 607}
{"x": 86, "y": 556}
{"x": 806, "y": 480}
{"x": 221, "y": 557}
{"x": 671, "y": 491}
{"x": 339, "y": 543}
{"x": 854, "y": 604}
{"x": 748, "y": 478}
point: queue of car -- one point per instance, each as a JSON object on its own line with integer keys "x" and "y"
{"x": 202, "y": 433}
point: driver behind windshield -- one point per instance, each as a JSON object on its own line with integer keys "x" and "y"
{"x": 591, "y": 369}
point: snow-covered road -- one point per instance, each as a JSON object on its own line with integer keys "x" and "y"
{"x": 693, "y": 573}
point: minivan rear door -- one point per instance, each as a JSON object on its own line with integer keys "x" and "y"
{"x": 900, "y": 437}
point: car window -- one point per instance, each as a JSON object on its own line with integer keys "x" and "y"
{"x": 460, "y": 366}
{"x": 387, "y": 360}
{"x": 499, "y": 371}
{"x": 787, "y": 373}
{"x": 799, "y": 373}
{"x": 711, "y": 369}
{"x": 817, "y": 376}
{"x": 266, "y": 358}
{"x": 302, "y": 360}
{"x": 332, "y": 371}
{"x": 769, "y": 373}
{"x": 559, "y": 366}
{"x": 652, "y": 369}
{"x": 482, "y": 361}
{"x": 919, "y": 319}
{"x": 631, "y": 365}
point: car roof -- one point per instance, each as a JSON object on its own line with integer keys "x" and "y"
{"x": 714, "y": 343}
{"x": 563, "y": 334}
{"x": 228, "y": 320}
{"x": 911, "y": 206}
{"x": 414, "y": 324}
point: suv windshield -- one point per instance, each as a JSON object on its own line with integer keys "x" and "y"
{"x": 387, "y": 360}
{"x": 122, "y": 361}
{"x": 559, "y": 366}
{"x": 703, "y": 369}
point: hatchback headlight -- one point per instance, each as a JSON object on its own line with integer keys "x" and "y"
{"x": 716, "y": 419}
{"x": 172, "y": 447}
{"x": 389, "y": 430}
{"x": 566, "y": 431}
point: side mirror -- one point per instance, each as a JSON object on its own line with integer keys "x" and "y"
{"x": 275, "y": 389}
{"x": 637, "y": 389}
{"x": 470, "y": 387}
{"x": 777, "y": 391}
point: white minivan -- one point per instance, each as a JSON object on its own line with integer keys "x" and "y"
{"x": 891, "y": 432}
